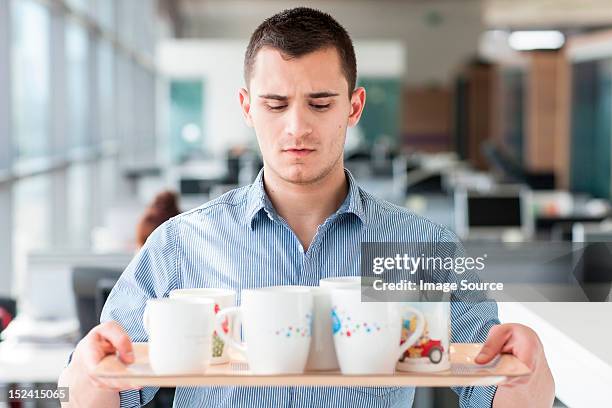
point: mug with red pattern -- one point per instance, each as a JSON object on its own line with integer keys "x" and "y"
{"x": 223, "y": 298}
{"x": 431, "y": 352}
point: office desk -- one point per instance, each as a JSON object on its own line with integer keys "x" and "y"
{"x": 577, "y": 340}
{"x": 547, "y": 222}
{"x": 29, "y": 363}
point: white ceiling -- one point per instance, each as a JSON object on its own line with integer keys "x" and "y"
{"x": 547, "y": 13}
{"x": 495, "y": 13}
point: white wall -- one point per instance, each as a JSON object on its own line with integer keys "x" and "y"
{"x": 219, "y": 65}
{"x": 219, "y": 62}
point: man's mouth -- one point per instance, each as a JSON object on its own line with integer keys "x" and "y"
{"x": 298, "y": 152}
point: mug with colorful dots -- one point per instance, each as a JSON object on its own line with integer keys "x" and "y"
{"x": 223, "y": 298}
{"x": 368, "y": 335}
{"x": 276, "y": 324}
{"x": 322, "y": 355}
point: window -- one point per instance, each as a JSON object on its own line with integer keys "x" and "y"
{"x": 125, "y": 22}
{"x": 5, "y": 126}
{"x": 30, "y": 79}
{"x": 125, "y": 107}
{"x": 106, "y": 91}
{"x": 105, "y": 12}
{"x": 77, "y": 95}
{"x": 67, "y": 75}
{"x": 79, "y": 206}
{"x": 79, "y": 5}
{"x": 32, "y": 220}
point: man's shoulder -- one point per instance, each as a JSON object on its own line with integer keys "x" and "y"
{"x": 400, "y": 223}
{"x": 231, "y": 202}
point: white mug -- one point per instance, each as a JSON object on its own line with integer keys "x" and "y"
{"x": 363, "y": 282}
{"x": 431, "y": 352}
{"x": 223, "y": 298}
{"x": 340, "y": 282}
{"x": 276, "y": 322}
{"x": 367, "y": 335}
{"x": 180, "y": 332}
{"x": 322, "y": 355}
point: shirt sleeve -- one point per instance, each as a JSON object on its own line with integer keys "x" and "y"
{"x": 472, "y": 317}
{"x": 152, "y": 273}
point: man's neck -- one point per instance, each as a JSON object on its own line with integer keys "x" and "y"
{"x": 306, "y": 206}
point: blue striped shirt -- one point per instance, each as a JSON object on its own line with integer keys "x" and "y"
{"x": 239, "y": 241}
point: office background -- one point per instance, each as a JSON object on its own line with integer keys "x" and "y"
{"x": 105, "y": 103}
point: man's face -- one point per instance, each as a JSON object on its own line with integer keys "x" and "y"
{"x": 300, "y": 109}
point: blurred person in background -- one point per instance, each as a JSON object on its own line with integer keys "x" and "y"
{"x": 163, "y": 207}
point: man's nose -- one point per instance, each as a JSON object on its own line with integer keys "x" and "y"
{"x": 298, "y": 122}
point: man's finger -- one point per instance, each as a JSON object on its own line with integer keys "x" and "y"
{"x": 114, "y": 333}
{"x": 498, "y": 336}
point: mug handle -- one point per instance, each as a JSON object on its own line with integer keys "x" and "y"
{"x": 145, "y": 320}
{"x": 418, "y": 331}
{"x": 229, "y": 338}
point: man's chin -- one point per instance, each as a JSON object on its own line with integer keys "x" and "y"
{"x": 299, "y": 178}
{"x": 300, "y": 174}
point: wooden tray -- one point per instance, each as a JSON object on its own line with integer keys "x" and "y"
{"x": 463, "y": 372}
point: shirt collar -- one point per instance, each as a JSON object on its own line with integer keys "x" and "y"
{"x": 257, "y": 200}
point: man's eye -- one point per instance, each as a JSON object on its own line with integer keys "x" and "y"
{"x": 321, "y": 107}
{"x": 277, "y": 108}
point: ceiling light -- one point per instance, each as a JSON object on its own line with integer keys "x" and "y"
{"x": 536, "y": 40}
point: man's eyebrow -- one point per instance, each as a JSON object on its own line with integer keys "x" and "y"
{"x": 314, "y": 95}
{"x": 273, "y": 96}
{"x": 325, "y": 94}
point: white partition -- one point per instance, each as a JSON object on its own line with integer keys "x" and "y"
{"x": 47, "y": 292}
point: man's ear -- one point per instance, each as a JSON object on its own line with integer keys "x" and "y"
{"x": 358, "y": 98}
{"x": 245, "y": 104}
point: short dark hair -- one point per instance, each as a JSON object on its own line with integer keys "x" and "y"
{"x": 299, "y": 31}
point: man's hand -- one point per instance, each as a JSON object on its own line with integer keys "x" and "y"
{"x": 85, "y": 388}
{"x": 534, "y": 390}
{"x": 103, "y": 340}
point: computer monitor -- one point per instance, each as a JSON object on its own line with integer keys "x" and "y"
{"x": 91, "y": 287}
{"x": 196, "y": 186}
{"x": 498, "y": 213}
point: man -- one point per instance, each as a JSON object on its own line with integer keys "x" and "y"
{"x": 302, "y": 219}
